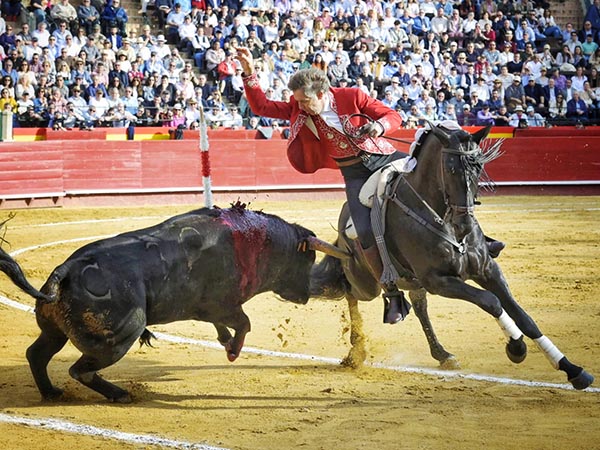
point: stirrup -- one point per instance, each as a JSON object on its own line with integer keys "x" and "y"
{"x": 395, "y": 306}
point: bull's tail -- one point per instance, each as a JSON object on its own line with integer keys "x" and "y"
{"x": 327, "y": 279}
{"x": 13, "y": 270}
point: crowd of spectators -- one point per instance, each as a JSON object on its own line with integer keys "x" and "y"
{"x": 478, "y": 62}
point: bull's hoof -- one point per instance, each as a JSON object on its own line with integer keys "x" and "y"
{"x": 582, "y": 381}
{"x": 125, "y": 398}
{"x": 516, "y": 350}
{"x": 450, "y": 363}
{"x": 52, "y": 395}
{"x": 232, "y": 356}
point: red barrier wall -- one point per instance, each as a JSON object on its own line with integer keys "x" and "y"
{"x": 74, "y": 163}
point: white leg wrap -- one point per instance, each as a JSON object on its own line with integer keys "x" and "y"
{"x": 553, "y": 354}
{"x": 509, "y": 327}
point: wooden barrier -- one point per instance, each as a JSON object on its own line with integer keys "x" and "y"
{"x": 69, "y": 164}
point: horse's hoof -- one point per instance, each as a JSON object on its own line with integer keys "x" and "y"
{"x": 450, "y": 363}
{"x": 582, "y": 381}
{"x": 516, "y": 350}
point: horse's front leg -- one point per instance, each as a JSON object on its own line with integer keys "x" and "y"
{"x": 494, "y": 281}
{"x": 453, "y": 287}
{"x": 447, "y": 360}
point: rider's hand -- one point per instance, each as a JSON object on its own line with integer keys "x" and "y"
{"x": 373, "y": 129}
{"x": 244, "y": 56}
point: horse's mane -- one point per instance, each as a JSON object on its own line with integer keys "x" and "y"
{"x": 475, "y": 162}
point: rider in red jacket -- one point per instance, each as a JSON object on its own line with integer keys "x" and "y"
{"x": 325, "y": 132}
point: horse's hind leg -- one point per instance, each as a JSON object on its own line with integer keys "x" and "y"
{"x": 438, "y": 352}
{"x": 39, "y": 354}
{"x": 358, "y": 353}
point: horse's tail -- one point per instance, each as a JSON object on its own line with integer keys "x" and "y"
{"x": 327, "y": 279}
{"x": 13, "y": 270}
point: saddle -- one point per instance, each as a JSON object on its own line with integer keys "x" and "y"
{"x": 376, "y": 185}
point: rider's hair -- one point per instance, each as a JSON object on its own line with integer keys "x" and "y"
{"x": 311, "y": 81}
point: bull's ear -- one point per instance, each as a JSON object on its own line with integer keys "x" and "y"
{"x": 327, "y": 248}
{"x": 481, "y": 134}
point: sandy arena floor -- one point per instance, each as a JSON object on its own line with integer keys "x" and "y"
{"x": 190, "y": 393}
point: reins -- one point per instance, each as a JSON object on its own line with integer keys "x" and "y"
{"x": 354, "y": 137}
{"x": 460, "y": 246}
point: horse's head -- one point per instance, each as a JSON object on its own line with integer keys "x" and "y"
{"x": 462, "y": 166}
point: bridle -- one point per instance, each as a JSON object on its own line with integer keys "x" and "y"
{"x": 454, "y": 210}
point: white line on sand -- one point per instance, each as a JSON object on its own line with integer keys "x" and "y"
{"x": 89, "y": 430}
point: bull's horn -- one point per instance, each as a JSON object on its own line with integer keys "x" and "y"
{"x": 327, "y": 248}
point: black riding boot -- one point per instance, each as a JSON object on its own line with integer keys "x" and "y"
{"x": 395, "y": 305}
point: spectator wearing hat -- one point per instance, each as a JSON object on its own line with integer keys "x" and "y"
{"x": 192, "y": 113}
{"x": 397, "y": 90}
{"x": 336, "y": 70}
{"x": 81, "y": 70}
{"x": 547, "y": 58}
{"x": 87, "y": 16}
{"x": 467, "y": 118}
{"x": 97, "y": 34}
{"x": 534, "y": 119}
{"x": 543, "y": 78}
{"x": 161, "y": 48}
{"x": 515, "y": 94}
{"x": 517, "y": 119}
{"x": 127, "y": 49}
{"x": 481, "y": 89}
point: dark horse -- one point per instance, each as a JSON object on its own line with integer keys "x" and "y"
{"x": 435, "y": 244}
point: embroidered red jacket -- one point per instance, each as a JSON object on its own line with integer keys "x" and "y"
{"x": 306, "y": 151}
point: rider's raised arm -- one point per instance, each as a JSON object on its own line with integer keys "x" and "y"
{"x": 258, "y": 101}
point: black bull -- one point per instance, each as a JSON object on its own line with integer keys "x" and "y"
{"x": 202, "y": 265}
